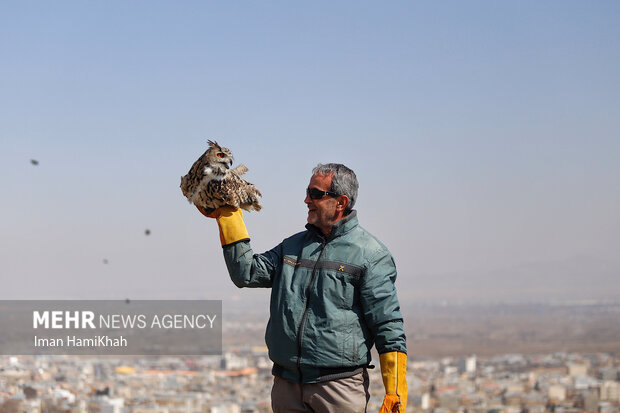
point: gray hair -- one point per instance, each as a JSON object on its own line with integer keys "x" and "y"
{"x": 344, "y": 181}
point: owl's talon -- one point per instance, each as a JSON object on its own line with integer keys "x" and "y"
{"x": 206, "y": 211}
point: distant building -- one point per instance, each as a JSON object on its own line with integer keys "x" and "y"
{"x": 231, "y": 361}
{"x": 471, "y": 364}
{"x": 512, "y": 409}
{"x": 450, "y": 370}
{"x": 557, "y": 393}
{"x": 585, "y": 382}
{"x": 467, "y": 365}
{"x": 605, "y": 407}
{"x": 590, "y": 402}
{"x": 224, "y": 408}
{"x": 448, "y": 400}
{"x": 64, "y": 395}
{"x": 610, "y": 391}
{"x": 107, "y": 405}
{"x": 575, "y": 369}
{"x": 609, "y": 373}
{"x": 513, "y": 399}
{"x": 425, "y": 401}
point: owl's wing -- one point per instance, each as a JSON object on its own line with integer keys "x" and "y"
{"x": 191, "y": 181}
{"x": 240, "y": 170}
{"x": 240, "y": 193}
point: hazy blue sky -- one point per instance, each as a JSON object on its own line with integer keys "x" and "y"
{"x": 485, "y": 135}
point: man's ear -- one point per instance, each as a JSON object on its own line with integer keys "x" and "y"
{"x": 342, "y": 202}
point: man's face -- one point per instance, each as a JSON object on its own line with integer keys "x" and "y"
{"x": 322, "y": 212}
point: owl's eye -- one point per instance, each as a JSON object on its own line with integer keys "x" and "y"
{"x": 220, "y": 155}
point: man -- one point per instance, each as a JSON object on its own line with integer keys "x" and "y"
{"x": 332, "y": 298}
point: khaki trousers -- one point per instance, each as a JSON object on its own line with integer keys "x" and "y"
{"x": 348, "y": 395}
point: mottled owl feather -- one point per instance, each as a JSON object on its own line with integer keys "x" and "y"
{"x": 210, "y": 183}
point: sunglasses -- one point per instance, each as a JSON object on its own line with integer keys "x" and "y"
{"x": 315, "y": 193}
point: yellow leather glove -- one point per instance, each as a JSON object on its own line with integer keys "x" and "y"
{"x": 394, "y": 373}
{"x": 230, "y": 222}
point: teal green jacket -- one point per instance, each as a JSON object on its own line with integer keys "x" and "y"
{"x": 331, "y": 300}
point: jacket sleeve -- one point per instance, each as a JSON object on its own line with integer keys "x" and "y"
{"x": 247, "y": 269}
{"x": 380, "y": 304}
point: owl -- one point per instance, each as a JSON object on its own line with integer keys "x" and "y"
{"x": 210, "y": 183}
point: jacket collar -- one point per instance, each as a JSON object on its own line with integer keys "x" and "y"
{"x": 341, "y": 227}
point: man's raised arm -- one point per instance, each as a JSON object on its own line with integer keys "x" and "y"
{"x": 245, "y": 268}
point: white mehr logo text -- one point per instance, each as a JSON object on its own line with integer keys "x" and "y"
{"x": 57, "y": 319}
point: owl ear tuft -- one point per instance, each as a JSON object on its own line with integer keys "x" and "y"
{"x": 214, "y": 144}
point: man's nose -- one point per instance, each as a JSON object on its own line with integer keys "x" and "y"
{"x": 307, "y": 200}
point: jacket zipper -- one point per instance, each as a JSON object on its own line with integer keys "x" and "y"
{"x": 305, "y": 314}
